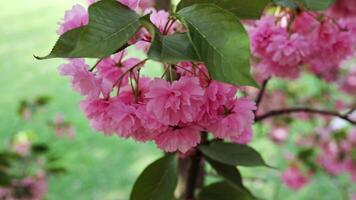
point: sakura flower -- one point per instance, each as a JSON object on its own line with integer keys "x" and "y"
{"x": 261, "y": 35}
{"x": 216, "y": 96}
{"x": 349, "y": 83}
{"x": 235, "y": 121}
{"x": 179, "y": 138}
{"x": 177, "y": 102}
{"x": 161, "y": 20}
{"x": 113, "y": 67}
{"x": 288, "y": 51}
{"x": 74, "y": 18}
{"x": 332, "y": 44}
{"x": 279, "y": 135}
{"x": 305, "y": 23}
{"x": 124, "y": 117}
{"x": 344, "y": 8}
{"x": 82, "y": 80}
{"x": 97, "y": 111}
{"x": 294, "y": 178}
{"x": 35, "y": 187}
{"x": 150, "y": 126}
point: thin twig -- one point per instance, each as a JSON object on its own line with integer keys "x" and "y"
{"x": 286, "y": 111}
{"x": 261, "y": 93}
{"x": 96, "y": 64}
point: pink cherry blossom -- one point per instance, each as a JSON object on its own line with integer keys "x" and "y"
{"x": 150, "y": 126}
{"x": 124, "y": 117}
{"x": 97, "y": 111}
{"x": 235, "y": 121}
{"x": 82, "y": 80}
{"x": 128, "y": 96}
{"x": 177, "y": 102}
{"x": 216, "y": 96}
{"x": 196, "y": 70}
{"x": 161, "y": 20}
{"x": 279, "y": 135}
{"x": 269, "y": 68}
{"x": 332, "y": 44}
{"x": 304, "y": 23}
{"x": 294, "y": 178}
{"x": 349, "y": 82}
{"x": 262, "y": 33}
{"x": 179, "y": 138}
{"x": 113, "y": 67}
{"x": 288, "y": 51}
{"x": 344, "y": 8}
{"x": 74, "y": 18}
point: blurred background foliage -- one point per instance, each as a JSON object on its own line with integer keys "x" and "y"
{"x": 105, "y": 168}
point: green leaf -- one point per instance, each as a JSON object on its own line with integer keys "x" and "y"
{"x": 246, "y": 9}
{"x": 64, "y": 45}
{"x": 223, "y": 191}
{"x": 40, "y": 148}
{"x": 111, "y": 25}
{"x": 318, "y": 5}
{"x": 230, "y": 174}
{"x": 5, "y": 179}
{"x": 220, "y": 41}
{"x": 56, "y": 170}
{"x": 172, "y": 49}
{"x": 158, "y": 181}
{"x": 233, "y": 154}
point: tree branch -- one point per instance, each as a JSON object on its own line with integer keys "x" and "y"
{"x": 286, "y": 111}
{"x": 193, "y": 175}
{"x": 261, "y": 94}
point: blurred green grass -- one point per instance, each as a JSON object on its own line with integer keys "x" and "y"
{"x": 100, "y": 168}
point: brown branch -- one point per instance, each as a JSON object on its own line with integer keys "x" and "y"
{"x": 261, "y": 94}
{"x": 286, "y": 111}
{"x": 193, "y": 175}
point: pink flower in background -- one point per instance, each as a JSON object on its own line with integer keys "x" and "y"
{"x": 348, "y": 84}
{"x": 177, "y": 102}
{"x": 344, "y": 8}
{"x": 332, "y": 45}
{"x": 82, "y": 80}
{"x": 288, "y": 51}
{"x": 354, "y": 196}
{"x": 235, "y": 121}
{"x": 279, "y": 135}
{"x": 62, "y": 127}
{"x": 305, "y": 23}
{"x": 179, "y": 138}
{"x": 262, "y": 33}
{"x": 144, "y": 4}
{"x": 294, "y": 178}
{"x": 22, "y": 148}
{"x": 74, "y": 18}
{"x": 269, "y": 68}
{"x": 327, "y": 71}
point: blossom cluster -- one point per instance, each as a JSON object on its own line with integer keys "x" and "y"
{"x": 285, "y": 42}
{"x": 30, "y": 188}
{"x": 333, "y": 153}
{"x": 173, "y": 111}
